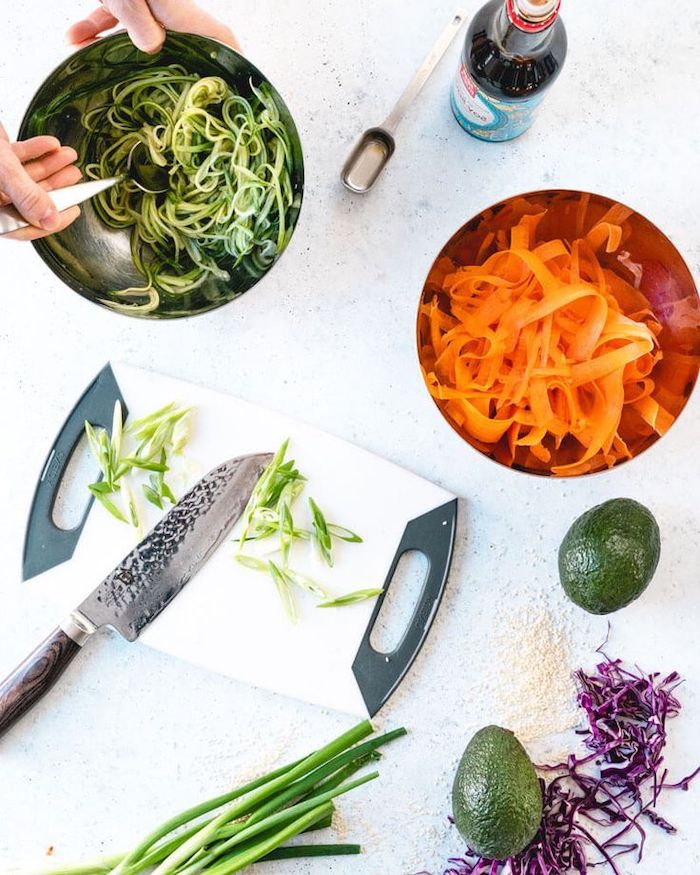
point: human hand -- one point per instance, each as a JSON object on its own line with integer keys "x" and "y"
{"x": 145, "y": 21}
{"x": 27, "y": 171}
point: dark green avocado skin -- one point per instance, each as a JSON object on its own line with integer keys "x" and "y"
{"x": 609, "y": 555}
{"x": 496, "y": 795}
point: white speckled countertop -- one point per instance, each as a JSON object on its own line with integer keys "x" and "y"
{"x": 130, "y": 735}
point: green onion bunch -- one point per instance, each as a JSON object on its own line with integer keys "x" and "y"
{"x": 255, "y": 821}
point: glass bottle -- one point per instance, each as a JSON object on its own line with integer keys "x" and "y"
{"x": 513, "y": 52}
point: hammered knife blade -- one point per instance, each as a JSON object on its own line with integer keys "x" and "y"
{"x": 143, "y": 583}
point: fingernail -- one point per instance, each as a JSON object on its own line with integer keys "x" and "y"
{"x": 50, "y": 220}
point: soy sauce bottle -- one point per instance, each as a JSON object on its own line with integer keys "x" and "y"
{"x": 513, "y": 52}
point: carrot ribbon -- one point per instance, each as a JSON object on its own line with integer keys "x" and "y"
{"x": 538, "y": 352}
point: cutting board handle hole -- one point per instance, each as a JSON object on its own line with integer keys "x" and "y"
{"x": 404, "y": 590}
{"x": 71, "y": 496}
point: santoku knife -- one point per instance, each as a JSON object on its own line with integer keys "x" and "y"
{"x": 143, "y": 583}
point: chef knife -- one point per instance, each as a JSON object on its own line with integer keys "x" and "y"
{"x": 143, "y": 583}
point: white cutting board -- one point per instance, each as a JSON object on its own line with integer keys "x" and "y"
{"x": 229, "y": 619}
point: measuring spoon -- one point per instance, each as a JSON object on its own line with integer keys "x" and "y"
{"x": 376, "y": 146}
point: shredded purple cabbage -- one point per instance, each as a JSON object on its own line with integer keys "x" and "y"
{"x": 595, "y": 805}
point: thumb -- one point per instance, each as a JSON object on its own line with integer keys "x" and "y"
{"x": 136, "y": 16}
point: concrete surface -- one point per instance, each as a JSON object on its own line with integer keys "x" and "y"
{"x": 130, "y": 736}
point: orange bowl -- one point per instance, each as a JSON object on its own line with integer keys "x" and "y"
{"x": 645, "y": 272}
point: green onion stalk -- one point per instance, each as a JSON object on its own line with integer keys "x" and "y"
{"x": 254, "y": 822}
{"x": 227, "y": 160}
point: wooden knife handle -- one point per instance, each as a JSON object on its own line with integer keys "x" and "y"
{"x": 35, "y": 676}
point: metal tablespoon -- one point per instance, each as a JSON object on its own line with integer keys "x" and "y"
{"x": 149, "y": 177}
{"x": 376, "y": 146}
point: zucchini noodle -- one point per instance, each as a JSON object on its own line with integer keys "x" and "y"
{"x": 228, "y": 163}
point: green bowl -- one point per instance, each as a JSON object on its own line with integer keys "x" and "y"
{"x": 88, "y": 256}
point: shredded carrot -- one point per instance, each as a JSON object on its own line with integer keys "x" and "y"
{"x": 540, "y": 353}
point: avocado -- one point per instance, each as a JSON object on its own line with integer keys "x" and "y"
{"x": 496, "y": 795}
{"x": 609, "y": 555}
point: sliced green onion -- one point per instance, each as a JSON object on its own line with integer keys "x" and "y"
{"x": 116, "y": 436}
{"x": 269, "y": 513}
{"x": 155, "y": 434}
{"x": 351, "y": 598}
{"x": 99, "y": 491}
{"x": 344, "y": 534}
{"x": 251, "y": 562}
{"x": 304, "y": 582}
{"x": 285, "y": 592}
{"x": 323, "y": 538}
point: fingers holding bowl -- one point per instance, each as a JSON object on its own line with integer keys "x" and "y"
{"x": 189, "y": 17}
{"x": 137, "y": 16}
{"x": 89, "y": 28}
{"x": 146, "y": 21}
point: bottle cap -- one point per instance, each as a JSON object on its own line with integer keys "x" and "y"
{"x": 536, "y": 9}
{"x": 532, "y": 15}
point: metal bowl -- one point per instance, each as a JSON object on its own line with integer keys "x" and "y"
{"x": 665, "y": 281}
{"x": 90, "y": 257}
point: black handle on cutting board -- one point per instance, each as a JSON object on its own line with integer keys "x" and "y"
{"x": 379, "y": 674}
{"x": 45, "y": 543}
{"x": 35, "y": 676}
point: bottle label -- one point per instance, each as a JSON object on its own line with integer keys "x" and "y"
{"x": 487, "y": 117}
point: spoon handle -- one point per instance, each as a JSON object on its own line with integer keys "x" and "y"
{"x": 63, "y": 198}
{"x": 424, "y": 71}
